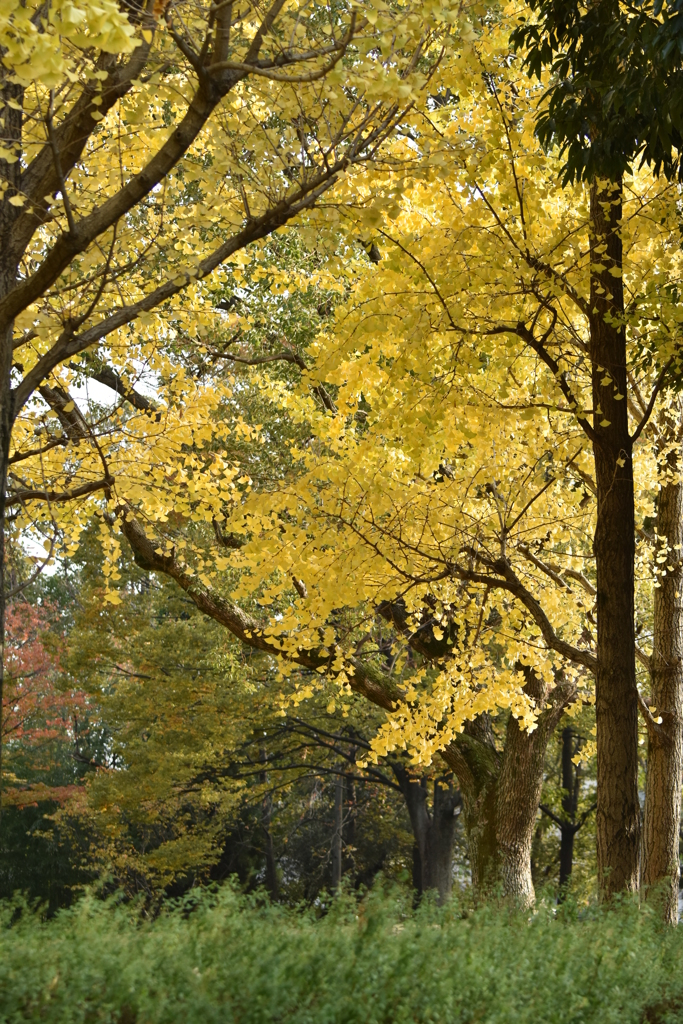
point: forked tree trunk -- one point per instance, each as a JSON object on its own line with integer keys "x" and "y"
{"x": 433, "y": 831}
{"x": 665, "y": 740}
{"x": 502, "y": 792}
{"x": 568, "y": 823}
{"x": 616, "y": 700}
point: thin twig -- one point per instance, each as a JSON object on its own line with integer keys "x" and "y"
{"x": 651, "y": 403}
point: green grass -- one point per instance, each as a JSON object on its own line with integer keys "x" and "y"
{"x": 230, "y": 959}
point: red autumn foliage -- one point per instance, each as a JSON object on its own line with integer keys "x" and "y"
{"x": 38, "y": 718}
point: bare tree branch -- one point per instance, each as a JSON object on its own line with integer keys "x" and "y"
{"x": 20, "y": 497}
{"x": 104, "y": 374}
{"x": 506, "y": 579}
{"x": 653, "y": 398}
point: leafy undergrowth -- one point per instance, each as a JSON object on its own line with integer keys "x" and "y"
{"x": 225, "y": 958}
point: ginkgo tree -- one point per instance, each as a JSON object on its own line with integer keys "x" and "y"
{"x": 449, "y": 485}
{"x": 143, "y": 147}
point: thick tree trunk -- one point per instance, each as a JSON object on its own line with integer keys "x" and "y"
{"x": 519, "y": 798}
{"x": 519, "y": 788}
{"x": 502, "y": 792}
{"x": 616, "y": 701}
{"x": 479, "y": 817}
{"x": 434, "y": 832}
{"x": 476, "y": 763}
{"x": 665, "y": 740}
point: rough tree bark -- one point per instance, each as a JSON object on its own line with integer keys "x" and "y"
{"x": 519, "y": 798}
{"x": 661, "y": 866}
{"x": 520, "y": 785}
{"x": 616, "y": 695}
{"x": 502, "y": 792}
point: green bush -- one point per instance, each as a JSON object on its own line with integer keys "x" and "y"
{"x": 226, "y": 958}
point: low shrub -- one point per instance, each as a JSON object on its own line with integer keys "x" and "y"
{"x": 224, "y": 958}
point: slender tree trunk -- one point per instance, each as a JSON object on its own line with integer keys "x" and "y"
{"x": 6, "y": 421}
{"x": 616, "y": 702}
{"x": 570, "y": 803}
{"x": 349, "y": 829}
{"x": 337, "y": 837}
{"x": 567, "y": 833}
{"x": 11, "y": 119}
{"x": 415, "y": 795}
{"x": 417, "y": 869}
{"x": 266, "y": 816}
{"x": 568, "y": 824}
{"x": 271, "y": 866}
{"x": 5, "y": 432}
{"x": 665, "y": 740}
